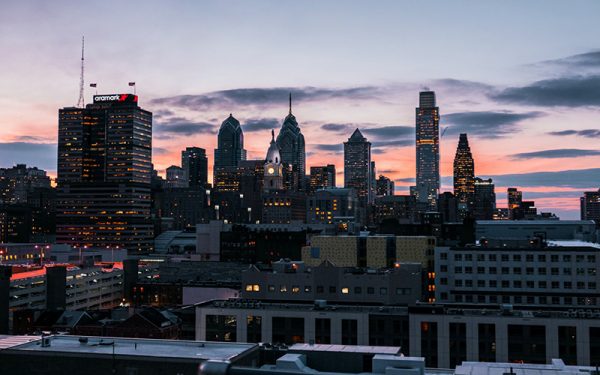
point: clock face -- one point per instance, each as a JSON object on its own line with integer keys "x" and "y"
{"x": 270, "y": 170}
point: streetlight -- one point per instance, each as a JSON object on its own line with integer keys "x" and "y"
{"x": 249, "y": 214}
{"x": 217, "y": 210}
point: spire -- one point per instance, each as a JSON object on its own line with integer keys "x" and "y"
{"x": 290, "y": 102}
{"x": 272, "y": 135}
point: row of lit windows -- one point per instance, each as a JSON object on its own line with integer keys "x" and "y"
{"x": 519, "y": 258}
{"x": 332, "y": 289}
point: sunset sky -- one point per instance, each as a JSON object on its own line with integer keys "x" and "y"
{"x": 522, "y": 79}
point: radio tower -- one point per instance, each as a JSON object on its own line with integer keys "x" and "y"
{"x": 80, "y": 102}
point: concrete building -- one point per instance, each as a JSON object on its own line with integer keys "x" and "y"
{"x": 445, "y": 335}
{"x": 378, "y": 251}
{"x": 332, "y": 205}
{"x": 560, "y": 274}
{"x": 293, "y": 281}
{"x": 584, "y": 230}
{"x": 590, "y": 206}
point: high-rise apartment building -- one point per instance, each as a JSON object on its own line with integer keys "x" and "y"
{"x": 428, "y": 149}
{"x": 195, "y": 165}
{"x": 228, "y": 154}
{"x": 322, "y": 177}
{"x": 590, "y": 206}
{"x": 357, "y": 167}
{"x": 104, "y": 174}
{"x": 293, "y": 155}
{"x": 485, "y": 199}
{"x": 464, "y": 175}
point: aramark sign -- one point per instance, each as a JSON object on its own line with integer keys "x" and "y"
{"x": 122, "y": 98}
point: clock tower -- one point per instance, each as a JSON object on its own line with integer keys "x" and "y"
{"x": 273, "y": 177}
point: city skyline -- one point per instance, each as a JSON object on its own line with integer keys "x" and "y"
{"x": 526, "y": 112}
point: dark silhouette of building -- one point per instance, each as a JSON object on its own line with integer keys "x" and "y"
{"x": 56, "y": 288}
{"x": 464, "y": 176}
{"x": 402, "y": 208}
{"x": 590, "y": 206}
{"x": 332, "y": 205}
{"x": 195, "y": 165}
{"x": 448, "y": 207}
{"x": 104, "y": 174}
{"x": 292, "y": 148}
{"x": 228, "y": 154}
{"x": 5, "y": 274}
{"x": 428, "y": 150}
{"x": 384, "y": 186}
{"x": 485, "y": 199}
{"x": 357, "y": 167}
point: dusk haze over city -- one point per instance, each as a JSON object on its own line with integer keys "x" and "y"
{"x": 249, "y": 187}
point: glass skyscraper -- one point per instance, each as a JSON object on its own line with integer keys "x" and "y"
{"x": 195, "y": 165}
{"x": 104, "y": 173}
{"x": 228, "y": 154}
{"x": 293, "y": 154}
{"x": 464, "y": 175}
{"x": 428, "y": 150}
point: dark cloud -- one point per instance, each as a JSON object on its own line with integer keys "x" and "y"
{"x": 264, "y": 96}
{"x": 577, "y": 91}
{"x": 577, "y": 179}
{"x": 333, "y": 147}
{"x": 159, "y": 151}
{"x": 179, "y": 126}
{"x": 162, "y": 113}
{"x": 386, "y": 171}
{"x": 583, "y": 60}
{"x": 32, "y": 138}
{"x": 393, "y": 143}
{"x": 406, "y": 180}
{"x": 487, "y": 124}
{"x": 41, "y": 155}
{"x": 258, "y": 124}
{"x": 337, "y": 128}
{"x": 392, "y": 131}
{"x": 588, "y": 133}
{"x": 555, "y": 154}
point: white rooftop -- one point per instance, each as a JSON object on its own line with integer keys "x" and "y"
{"x": 138, "y": 347}
{"x": 557, "y": 367}
{"x": 393, "y": 350}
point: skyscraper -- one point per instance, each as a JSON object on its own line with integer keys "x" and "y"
{"x": 195, "y": 165}
{"x": 293, "y": 155}
{"x": 428, "y": 149}
{"x": 176, "y": 177}
{"x": 104, "y": 174}
{"x": 357, "y": 167}
{"x": 322, "y": 177}
{"x": 485, "y": 199}
{"x": 464, "y": 176}
{"x": 228, "y": 154}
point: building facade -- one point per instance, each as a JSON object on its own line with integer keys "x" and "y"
{"x": 104, "y": 174}
{"x": 464, "y": 176}
{"x": 590, "y": 206}
{"x": 228, "y": 154}
{"x": 322, "y": 177}
{"x": 332, "y": 205}
{"x": 195, "y": 165}
{"x": 293, "y": 154}
{"x": 485, "y": 199}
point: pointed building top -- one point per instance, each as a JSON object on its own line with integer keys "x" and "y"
{"x": 357, "y": 136}
{"x": 290, "y": 102}
{"x": 272, "y": 135}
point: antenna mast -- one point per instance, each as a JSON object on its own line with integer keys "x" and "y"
{"x": 80, "y": 102}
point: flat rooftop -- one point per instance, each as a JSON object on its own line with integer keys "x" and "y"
{"x": 534, "y": 222}
{"x": 392, "y": 350}
{"x": 103, "y": 346}
{"x": 557, "y": 367}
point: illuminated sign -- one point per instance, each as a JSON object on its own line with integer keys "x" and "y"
{"x": 121, "y": 98}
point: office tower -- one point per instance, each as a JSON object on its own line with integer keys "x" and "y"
{"x": 176, "y": 177}
{"x": 428, "y": 150}
{"x": 104, "y": 174}
{"x": 228, "y": 154}
{"x": 373, "y": 179}
{"x": 322, "y": 177}
{"x": 251, "y": 174}
{"x": 195, "y": 165}
{"x": 385, "y": 186}
{"x": 291, "y": 145}
{"x": 464, "y": 176}
{"x": 357, "y": 167}
{"x": 485, "y": 199}
{"x": 590, "y": 206}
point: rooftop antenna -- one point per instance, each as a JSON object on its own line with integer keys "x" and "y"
{"x": 290, "y": 102}
{"x": 80, "y": 102}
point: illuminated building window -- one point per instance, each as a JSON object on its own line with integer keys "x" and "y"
{"x": 345, "y": 290}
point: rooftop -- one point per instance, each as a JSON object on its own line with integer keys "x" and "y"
{"x": 104, "y": 346}
{"x": 557, "y": 367}
{"x": 535, "y": 222}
